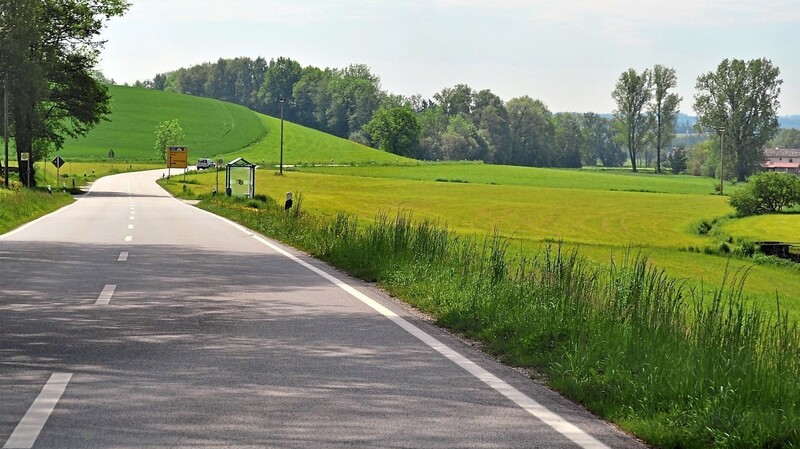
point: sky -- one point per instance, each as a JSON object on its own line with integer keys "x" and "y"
{"x": 567, "y": 53}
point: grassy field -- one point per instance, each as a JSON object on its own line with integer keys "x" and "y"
{"x": 781, "y": 227}
{"x": 602, "y": 223}
{"x": 211, "y": 127}
{"x": 302, "y": 145}
{"x": 588, "y": 179}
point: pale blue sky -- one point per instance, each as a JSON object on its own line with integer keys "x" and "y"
{"x": 567, "y": 53}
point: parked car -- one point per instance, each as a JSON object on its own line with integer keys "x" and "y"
{"x": 205, "y": 163}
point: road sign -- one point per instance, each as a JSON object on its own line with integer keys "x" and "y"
{"x": 58, "y": 162}
{"x": 111, "y": 154}
{"x": 177, "y": 157}
{"x": 24, "y": 156}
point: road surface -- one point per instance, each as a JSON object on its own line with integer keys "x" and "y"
{"x": 130, "y": 319}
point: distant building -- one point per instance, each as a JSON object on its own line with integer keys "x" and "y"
{"x": 779, "y": 160}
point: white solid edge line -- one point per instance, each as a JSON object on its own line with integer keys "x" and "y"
{"x": 105, "y": 295}
{"x": 536, "y": 409}
{"x": 28, "y": 429}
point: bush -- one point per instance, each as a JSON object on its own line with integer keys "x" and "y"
{"x": 766, "y": 193}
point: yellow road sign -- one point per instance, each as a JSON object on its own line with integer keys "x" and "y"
{"x": 177, "y": 157}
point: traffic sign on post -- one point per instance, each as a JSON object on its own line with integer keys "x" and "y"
{"x": 58, "y": 162}
{"x": 178, "y": 157}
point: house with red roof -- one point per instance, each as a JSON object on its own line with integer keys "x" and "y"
{"x": 782, "y": 160}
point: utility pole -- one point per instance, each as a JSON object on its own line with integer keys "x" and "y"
{"x": 282, "y": 100}
{"x": 5, "y": 128}
{"x": 721, "y": 132}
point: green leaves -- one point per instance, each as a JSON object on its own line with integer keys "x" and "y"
{"x": 766, "y": 193}
{"x": 741, "y": 97}
{"x": 395, "y": 130}
{"x": 167, "y": 133}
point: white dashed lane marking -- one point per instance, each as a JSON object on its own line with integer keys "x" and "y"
{"x": 31, "y": 425}
{"x": 105, "y": 295}
{"x": 123, "y": 256}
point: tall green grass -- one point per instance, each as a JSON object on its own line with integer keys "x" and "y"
{"x": 679, "y": 367}
{"x": 20, "y": 206}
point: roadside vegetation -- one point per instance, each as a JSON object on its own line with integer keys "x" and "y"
{"x": 681, "y": 367}
{"x": 18, "y": 207}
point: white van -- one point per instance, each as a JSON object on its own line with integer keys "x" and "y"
{"x": 205, "y": 163}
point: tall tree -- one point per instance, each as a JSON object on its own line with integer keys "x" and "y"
{"x": 663, "y": 109}
{"x": 787, "y": 138}
{"x": 490, "y": 116}
{"x": 456, "y": 100}
{"x": 601, "y": 140}
{"x": 740, "y": 97}
{"x": 632, "y": 93}
{"x": 49, "y": 53}
{"x": 395, "y": 130}
{"x": 531, "y": 128}
{"x": 279, "y": 80}
{"x": 571, "y": 140}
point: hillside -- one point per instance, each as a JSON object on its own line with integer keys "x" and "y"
{"x": 213, "y": 129}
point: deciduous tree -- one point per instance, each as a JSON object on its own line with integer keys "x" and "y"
{"x": 395, "y": 130}
{"x": 631, "y": 122}
{"x": 48, "y": 52}
{"x": 167, "y": 133}
{"x": 531, "y": 132}
{"x": 787, "y": 138}
{"x": 663, "y": 109}
{"x": 742, "y": 98}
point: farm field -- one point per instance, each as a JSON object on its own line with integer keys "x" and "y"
{"x": 599, "y": 222}
{"x": 533, "y": 177}
{"x": 783, "y": 228}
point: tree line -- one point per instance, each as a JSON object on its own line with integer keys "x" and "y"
{"x": 457, "y": 123}
{"x": 738, "y": 100}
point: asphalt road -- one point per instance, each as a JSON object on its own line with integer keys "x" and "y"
{"x": 131, "y": 319}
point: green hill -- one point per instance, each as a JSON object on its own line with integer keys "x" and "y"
{"x": 213, "y": 129}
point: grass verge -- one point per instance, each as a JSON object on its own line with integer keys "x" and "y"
{"x": 21, "y": 206}
{"x": 679, "y": 367}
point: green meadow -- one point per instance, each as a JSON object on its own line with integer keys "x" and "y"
{"x": 600, "y": 222}
{"x": 211, "y": 127}
{"x": 305, "y": 146}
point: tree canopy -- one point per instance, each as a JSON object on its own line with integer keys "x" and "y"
{"x": 632, "y": 124}
{"x": 740, "y": 98}
{"x": 47, "y": 57}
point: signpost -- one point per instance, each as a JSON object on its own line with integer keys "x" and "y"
{"x": 25, "y": 157}
{"x": 58, "y": 162}
{"x": 219, "y": 163}
{"x": 177, "y": 157}
{"x": 111, "y": 156}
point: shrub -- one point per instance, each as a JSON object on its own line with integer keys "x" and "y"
{"x": 766, "y": 193}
